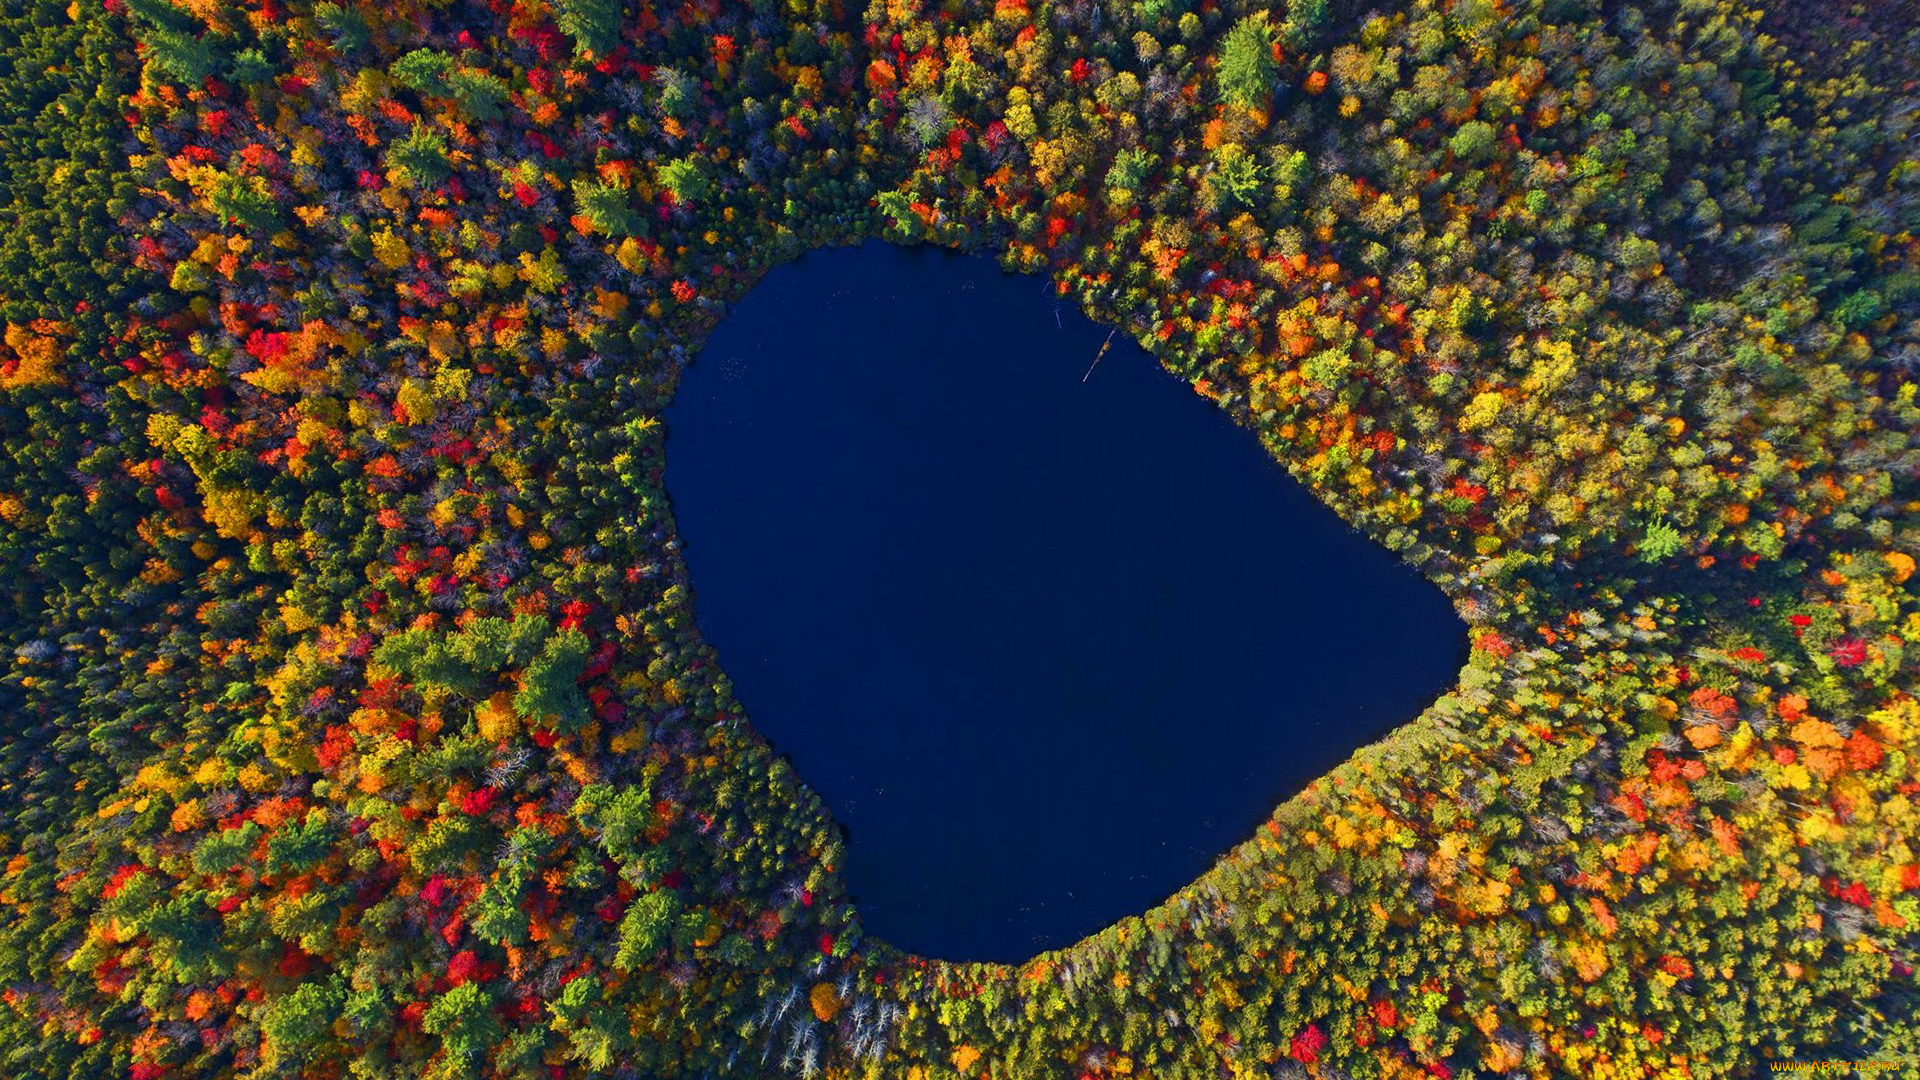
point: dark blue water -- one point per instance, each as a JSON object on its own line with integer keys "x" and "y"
{"x": 1045, "y": 647}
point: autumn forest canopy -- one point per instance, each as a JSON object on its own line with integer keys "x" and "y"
{"x": 355, "y": 719}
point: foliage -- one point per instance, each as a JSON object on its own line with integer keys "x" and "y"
{"x": 357, "y": 721}
{"x": 1247, "y": 66}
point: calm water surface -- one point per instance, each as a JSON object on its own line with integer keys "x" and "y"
{"x": 1045, "y": 647}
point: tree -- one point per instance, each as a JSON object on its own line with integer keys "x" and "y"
{"x": 420, "y": 159}
{"x": 679, "y": 92}
{"x": 245, "y": 199}
{"x": 344, "y": 24}
{"x": 496, "y": 914}
{"x": 594, "y": 25}
{"x": 294, "y": 849}
{"x": 479, "y": 93}
{"x": 463, "y": 1018}
{"x": 686, "y": 179}
{"x": 1130, "y": 170}
{"x": 1235, "y": 180}
{"x": 928, "y": 120}
{"x": 181, "y": 55}
{"x": 1247, "y": 67}
{"x": 898, "y": 209}
{"x": 618, "y": 817}
{"x": 468, "y": 661}
{"x": 580, "y": 1011}
{"x": 423, "y": 70}
{"x": 1473, "y": 141}
{"x": 550, "y": 685}
{"x": 1303, "y": 22}
{"x": 644, "y": 928}
{"x": 606, "y": 207}
{"x": 1661, "y": 541}
{"x": 295, "y": 1023}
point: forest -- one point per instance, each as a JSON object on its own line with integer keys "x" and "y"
{"x": 355, "y": 720}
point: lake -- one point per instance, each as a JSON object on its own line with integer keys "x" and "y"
{"x": 1045, "y": 647}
